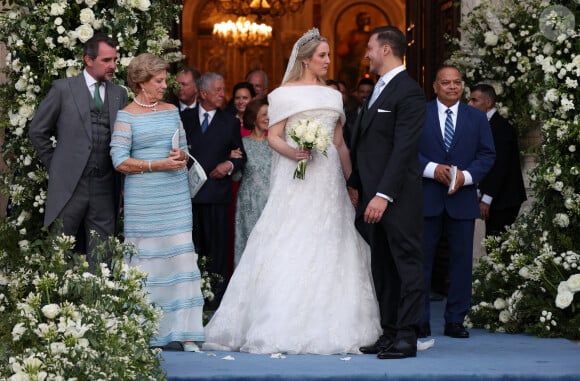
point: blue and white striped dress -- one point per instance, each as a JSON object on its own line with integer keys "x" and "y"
{"x": 157, "y": 219}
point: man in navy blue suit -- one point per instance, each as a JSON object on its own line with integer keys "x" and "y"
{"x": 211, "y": 135}
{"x": 456, "y": 138}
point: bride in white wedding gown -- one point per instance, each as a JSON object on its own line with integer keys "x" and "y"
{"x": 303, "y": 284}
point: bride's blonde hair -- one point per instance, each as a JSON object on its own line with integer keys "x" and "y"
{"x": 303, "y": 48}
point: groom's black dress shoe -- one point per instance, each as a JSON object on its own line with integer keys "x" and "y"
{"x": 399, "y": 350}
{"x": 424, "y": 330}
{"x": 381, "y": 344}
{"x": 456, "y": 330}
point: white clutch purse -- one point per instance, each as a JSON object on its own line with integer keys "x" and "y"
{"x": 196, "y": 176}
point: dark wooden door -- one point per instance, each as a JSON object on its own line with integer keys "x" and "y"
{"x": 428, "y": 24}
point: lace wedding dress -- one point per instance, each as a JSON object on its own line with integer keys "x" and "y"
{"x": 303, "y": 284}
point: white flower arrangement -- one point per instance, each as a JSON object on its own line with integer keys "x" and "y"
{"x": 529, "y": 50}
{"x": 60, "y": 322}
{"x": 309, "y": 134}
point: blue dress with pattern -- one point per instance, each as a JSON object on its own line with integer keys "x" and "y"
{"x": 157, "y": 219}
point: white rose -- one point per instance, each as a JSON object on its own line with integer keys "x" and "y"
{"x": 21, "y": 84}
{"x": 558, "y": 186}
{"x": 574, "y": 283}
{"x": 563, "y": 287}
{"x": 59, "y": 63}
{"x": 87, "y": 16}
{"x": 504, "y": 316}
{"x": 309, "y": 137}
{"x": 50, "y": 310}
{"x": 561, "y": 220}
{"x": 499, "y": 304}
{"x": 490, "y": 38}
{"x": 564, "y": 299}
{"x": 57, "y": 21}
{"x": 572, "y": 148}
{"x": 56, "y": 9}
{"x": 142, "y": 5}
{"x": 26, "y": 111}
{"x": 84, "y": 33}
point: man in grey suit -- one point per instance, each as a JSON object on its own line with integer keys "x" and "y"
{"x": 80, "y": 112}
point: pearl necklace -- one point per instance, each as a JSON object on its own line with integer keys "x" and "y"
{"x": 152, "y": 106}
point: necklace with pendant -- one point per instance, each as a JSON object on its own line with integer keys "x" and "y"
{"x": 152, "y": 106}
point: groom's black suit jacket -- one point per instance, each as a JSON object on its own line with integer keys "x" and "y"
{"x": 384, "y": 153}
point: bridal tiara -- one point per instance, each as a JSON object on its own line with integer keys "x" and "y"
{"x": 308, "y": 36}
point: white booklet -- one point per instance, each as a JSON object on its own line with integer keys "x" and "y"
{"x": 453, "y": 172}
{"x": 175, "y": 140}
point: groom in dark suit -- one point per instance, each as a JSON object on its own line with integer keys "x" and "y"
{"x": 456, "y": 137}
{"x": 386, "y": 184}
{"x": 211, "y": 135}
{"x": 80, "y": 111}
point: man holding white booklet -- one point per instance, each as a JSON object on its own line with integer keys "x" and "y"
{"x": 455, "y": 153}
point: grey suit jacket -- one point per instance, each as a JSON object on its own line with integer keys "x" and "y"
{"x": 65, "y": 113}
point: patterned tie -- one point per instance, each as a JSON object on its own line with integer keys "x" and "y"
{"x": 97, "y": 97}
{"x": 376, "y": 92}
{"x": 448, "y": 138}
{"x": 205, "y": 122}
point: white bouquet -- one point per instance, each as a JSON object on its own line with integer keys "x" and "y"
{"x": 309, "y": 134}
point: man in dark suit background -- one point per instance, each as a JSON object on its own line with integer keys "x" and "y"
{"x": 386, "y": 183}
{"x": 458, "y": 135}
{"x": 211, "y": 143}
{"x": 187, "y": 88}
{"x": 363, "y": 90}
{"x": 502, "y": 190}
{"x": 80, "y": 111}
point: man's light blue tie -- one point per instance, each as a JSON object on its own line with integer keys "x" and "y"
{"x": 205, "y": 122}
{"x": 448, "y": 138}
{"x": 376, "y": 92}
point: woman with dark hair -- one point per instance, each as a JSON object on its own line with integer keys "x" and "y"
{"x": 157, "y": 204}
{"x": 243, "y": 94}
{"x": 255, "y": 177}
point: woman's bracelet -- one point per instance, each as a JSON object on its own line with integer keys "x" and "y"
{"x": 150, "y": 166}
{"x": 141, "y": 166}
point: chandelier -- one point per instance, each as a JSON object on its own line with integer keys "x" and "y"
{"x": 272, "y": 8}
{"x": 242, "y": 33}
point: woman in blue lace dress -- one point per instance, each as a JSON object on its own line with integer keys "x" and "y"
{"x": 157, "y": 205}
{"x": 255, "y": 182}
